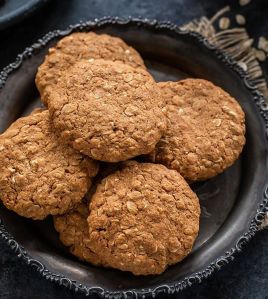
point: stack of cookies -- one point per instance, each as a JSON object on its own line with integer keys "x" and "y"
{"x": 75, "y": 158}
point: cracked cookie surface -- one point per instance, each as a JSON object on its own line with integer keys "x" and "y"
{"x": 205, "y": 129}
{"x": 143, "y": 218}
{"x": 82, "y": 46}
{"x": 108, "y": 110}
{"x": 73, "y": 231}
{"x": 39, "y": 174}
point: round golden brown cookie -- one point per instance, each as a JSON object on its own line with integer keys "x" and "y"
{"x": 143, "y": 218}
{"x": 205, "y": 132}
{"x": 39, "y": 174}
{"x": 108, "y": 110}
{"x": 83, "y": 46}
{"x": 73, "y": 231}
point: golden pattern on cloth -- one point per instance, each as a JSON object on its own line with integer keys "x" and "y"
{"x": 236, "y": 42}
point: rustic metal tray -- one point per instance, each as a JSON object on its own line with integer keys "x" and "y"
{"x": 233, "y": 203}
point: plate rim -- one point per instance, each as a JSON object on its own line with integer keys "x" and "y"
{"x": 213, "y": 266}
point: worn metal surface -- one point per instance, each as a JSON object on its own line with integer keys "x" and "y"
{"x": 224, "y": 229}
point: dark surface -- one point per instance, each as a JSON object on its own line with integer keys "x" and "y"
{"x": 246, "y": 277}
{"x": 240, "y": 188}
{"x": 13, "y": 11}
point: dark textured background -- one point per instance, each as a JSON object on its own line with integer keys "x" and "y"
{"x": 247, "y": 276}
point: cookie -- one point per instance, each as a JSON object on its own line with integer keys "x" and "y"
{"x": 205, "y": 132}
{"x": 82, "y": 46}
{"x": 39, "y": 174}
{"x": 108, "y": 110}
{"x": 143, "y": 218}
{"x": 73, "y": 227}
{"x": 73, "y": 231}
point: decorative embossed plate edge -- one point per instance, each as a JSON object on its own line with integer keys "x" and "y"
{"x": 216, "y": 264}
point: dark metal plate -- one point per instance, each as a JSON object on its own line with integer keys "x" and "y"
{"x": 229, "y": 201}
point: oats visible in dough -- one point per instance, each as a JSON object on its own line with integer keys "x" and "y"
{"x": 208, "y": 137}
{"x": 143, "y": 218}
{"x": 108, "y": 110}
{"x": 40, "y": 175}
{"x": 82, "y": 46}
{"x": 73, "y": 231}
